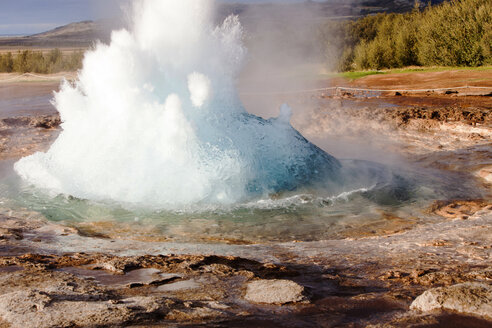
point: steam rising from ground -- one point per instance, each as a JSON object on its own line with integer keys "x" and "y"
{"x": 155, "y": 119}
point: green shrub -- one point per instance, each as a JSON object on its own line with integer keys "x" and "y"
{"x": 36, "y": 62}
{"x": 6, "y": 62}
{"x": 454, "y": 33}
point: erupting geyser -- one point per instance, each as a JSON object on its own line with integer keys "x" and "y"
{"x": 155, "y": 119}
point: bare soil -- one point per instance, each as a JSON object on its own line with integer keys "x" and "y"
{"x": 427, "y": 80}
{"x": 463, "y": 98}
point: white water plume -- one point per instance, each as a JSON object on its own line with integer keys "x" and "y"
{"x": 154, "y": 119}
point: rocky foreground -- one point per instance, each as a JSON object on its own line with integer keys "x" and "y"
{"x": 46, "y": 281}
{"x": 436, "y": 273}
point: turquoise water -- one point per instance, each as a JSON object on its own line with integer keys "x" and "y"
{"x": 308, "y": 214}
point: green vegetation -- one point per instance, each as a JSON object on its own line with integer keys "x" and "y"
{"x": 358, "y": 74}
{"x": 455, "y": 33}
{"x": 353, "y": 75}
{"x": 37, "y": 62}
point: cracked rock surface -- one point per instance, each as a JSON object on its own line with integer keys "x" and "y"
{"x": 471, "y": 298}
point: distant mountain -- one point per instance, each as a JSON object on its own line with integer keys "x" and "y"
{"x": 398, "y": 6}
{"x": 83, "y": 34}
{"x": 330, "y": 8}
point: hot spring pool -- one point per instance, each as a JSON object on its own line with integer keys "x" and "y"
{"x": 302, "y": 215}
{"x": 156, "y": 144}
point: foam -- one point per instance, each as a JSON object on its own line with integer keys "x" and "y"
{"x": 154, "y": 119}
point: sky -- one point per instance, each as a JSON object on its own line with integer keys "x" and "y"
{"x": 34, "y": 16}
{"x": 24, "y": 17}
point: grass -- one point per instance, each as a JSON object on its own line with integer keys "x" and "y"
{"x": 358, "y": 74}
{"x": 412, "y": 69}
{"x": 436, "y": 69}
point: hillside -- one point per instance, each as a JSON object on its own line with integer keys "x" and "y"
{"x": 83, "y": 34}
{"x": 80, "y": 34}
{"x": 329, "y": 8}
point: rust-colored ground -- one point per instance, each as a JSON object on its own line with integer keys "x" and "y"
{"x": 424, "y": 80}
{"x": 464, "y": 98}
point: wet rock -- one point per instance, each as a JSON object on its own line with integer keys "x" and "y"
{"x": 451, "y": 92}
{"x": 46, "y": 121}
{"x": 429, "y": 278}
{"x": 345, "y": 94}
{"x": 35, "y": 308}
{"x": 218, "y": 269}
{"x": 6, "y": 234}
{"x": 485, "y": 173}
{"x": 393, "y": 275}
{"x": 454, "y": 209}
{"x": 470, "y": 298}
{"x": 193, "y": 314}
{"x": 39, "y": 121}
{"x": 116, "y": 265}
{"x": 180, "y": 285}
{"x": 131, "y": 279}
{"x": 445, "y": 114}
{"x": 51, "y": 229}
{"x": 217, "y": 305}
{"x": 274, "y": 291}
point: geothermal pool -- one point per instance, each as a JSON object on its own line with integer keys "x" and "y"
{"x": 155, "y": 143}
{"x": 303, "y": 215}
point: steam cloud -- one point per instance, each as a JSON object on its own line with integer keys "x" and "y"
{"x": 155, "y": 119}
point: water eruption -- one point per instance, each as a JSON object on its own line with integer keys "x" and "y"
{"x": 155, "y": 119}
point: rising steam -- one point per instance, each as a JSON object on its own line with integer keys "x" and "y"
{"x": 155, "y": 119}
